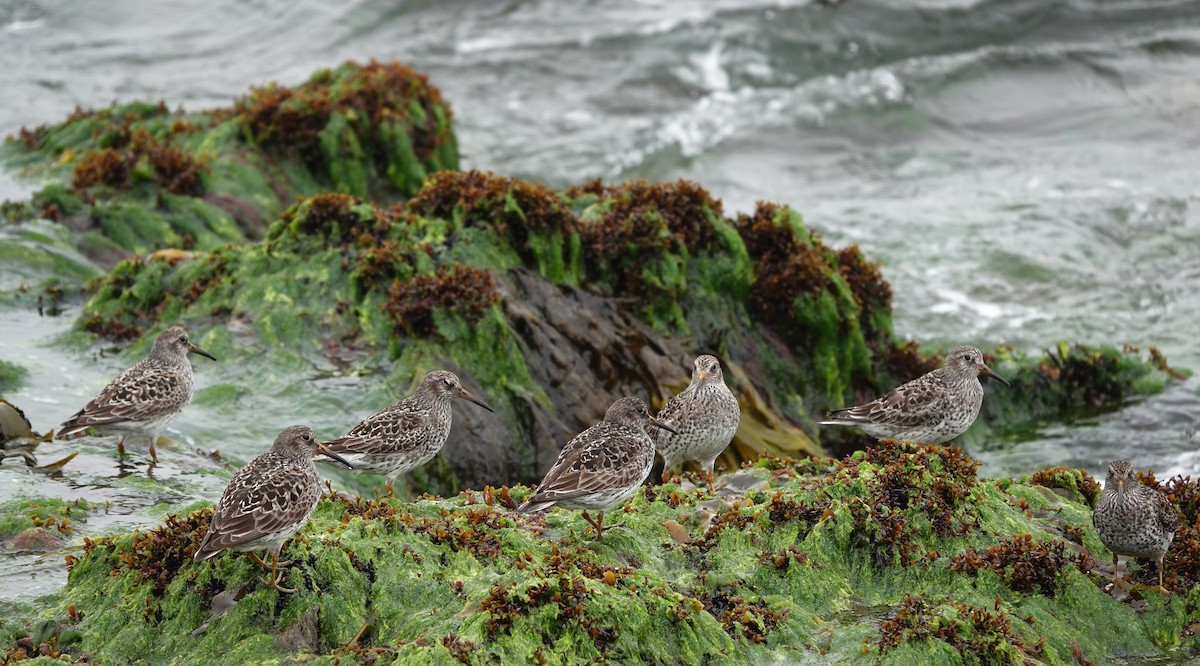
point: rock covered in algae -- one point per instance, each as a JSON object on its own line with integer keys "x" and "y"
{"x": 137, "y": 177}
{"x": 898, "y": 554}
{"x": 523, "y": 290}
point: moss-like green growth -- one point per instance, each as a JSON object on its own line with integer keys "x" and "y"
{"x": 11, "y": 376}
{"x": 19, "y": 515}
{"x": 367, "y": 128}
{"x": 781, "y": 573}
{"x": 1077, "y": 482}
{"x": 136, "y": 177}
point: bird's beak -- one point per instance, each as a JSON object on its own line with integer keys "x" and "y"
{"x": 659, "y": 424}
{"x": 196, "y": 350}
{"x": 1120, "y": 485}
{"x": 992, "y": 373}
{"x": 702, "y": 375}
{"x": 467, "y": 395}
{"x": 330, "y": 454}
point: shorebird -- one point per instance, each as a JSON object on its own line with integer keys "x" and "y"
{"x": 602, "y": 466}
{"x": 409, "y": 433}
{"x": 932, "y": 409}
{"x": 146, "y": 398}
{"x": 268, "y": 501}
{"x": 705, "y": 415}
{"x": 1132, "y": 519}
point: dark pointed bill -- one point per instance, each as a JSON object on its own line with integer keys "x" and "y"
{"x": 196, "y": 350}
{"x": 659, "y": 424}
{"x": 330, "y": 454}
{"x": 992, "y": 373}
{"x": 467, "y": 395}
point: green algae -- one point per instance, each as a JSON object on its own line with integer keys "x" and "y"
{"x": 763, "y": 579}
{"x": 141, "y": 178}
{"x": 19, "y": 515}
{"x": 11, "y": 375}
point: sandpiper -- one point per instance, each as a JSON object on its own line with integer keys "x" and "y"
{"x": 268, "y": 501}
{"x": 933, "y": 408}
{"x": 602, "y": 466}
{"x": 1132, "y": 519}
{"x": 146, "y": 398}
{"x": 705, "y": 414}
{"x": 409, "y": 433}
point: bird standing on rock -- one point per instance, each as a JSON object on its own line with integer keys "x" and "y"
{"x": 146, "y": 398}
{"x": 409, "y": 433}
{"x": 931, "y": 409}
{"x": 705, "y": 416}
{"x": 268, "y": 501}
{"x": 1132, "y": 519}
{"x": 602, "y": 466}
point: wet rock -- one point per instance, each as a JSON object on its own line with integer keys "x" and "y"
{"x": 36, "y": 540}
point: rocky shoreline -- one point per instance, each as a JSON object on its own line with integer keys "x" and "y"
{"x": 329, "y": 221}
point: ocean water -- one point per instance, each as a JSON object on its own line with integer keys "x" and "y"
{"x": 1027, "y": 171}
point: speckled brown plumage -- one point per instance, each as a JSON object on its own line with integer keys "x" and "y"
{"x": 1132, "y": 519}
{"x": 409, "y": 433}
{"x": 933, "y": 408}
{"x": 705, "y": 414}
{"x": 146, "y": 398}
{"x": 268, "y": 500}
{"x": 602, "y": 466}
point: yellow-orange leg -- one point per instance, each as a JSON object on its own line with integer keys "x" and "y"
{"x": 121, "y": 446}
{"x": 711, "y": 489}
{"x": 597, "y": 522}
{"x": 153, "y": 453}
{"x": 266, "y": 567}
{"x": 275, "y": 577}
{"x": 391, "y": 489}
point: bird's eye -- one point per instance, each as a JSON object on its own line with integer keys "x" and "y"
{"x": 306, "y": 438}
{"x": 447, "y": 382}
{"x": 183, "y": 339}
{"x": 967, "y": 358}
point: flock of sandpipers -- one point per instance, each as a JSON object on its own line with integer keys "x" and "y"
{"x": 272, "y": 497}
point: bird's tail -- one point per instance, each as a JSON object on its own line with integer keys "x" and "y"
{"x": 534, "y": 505}
{"x": 845, "y": 417}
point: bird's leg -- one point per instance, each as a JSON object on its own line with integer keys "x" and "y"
{"x": 711, "y": 488}
{"x": 121, "y": 446}
{"x": 1161, "y": 587}
{"x": 597, "y": 522}
{"x": 666, "y": 475}
{"x": 254, "y": 556}
{"x": 391, "y": 489}
{"x": 275, "y": 577}
{"x": 153, "y": 454}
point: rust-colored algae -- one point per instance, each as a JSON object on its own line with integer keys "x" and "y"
{"x": 1027, "y": 565}
{"x": 462, "y": 290}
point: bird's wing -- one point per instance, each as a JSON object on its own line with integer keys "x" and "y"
{"x": 136, "y": 395}
{"x": 905, "y": 405}
{"x": 601, "y": 457}
{"x": 383, "y": 432}
{"x": 1165, "y": 511}
{"x": 259, "y": 502}
{"x": 673, "y": 413}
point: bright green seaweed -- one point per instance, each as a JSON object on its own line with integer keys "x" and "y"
{"x": 782, "y": 571}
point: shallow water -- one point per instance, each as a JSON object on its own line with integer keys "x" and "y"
{"x": 1027, "y": 171}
